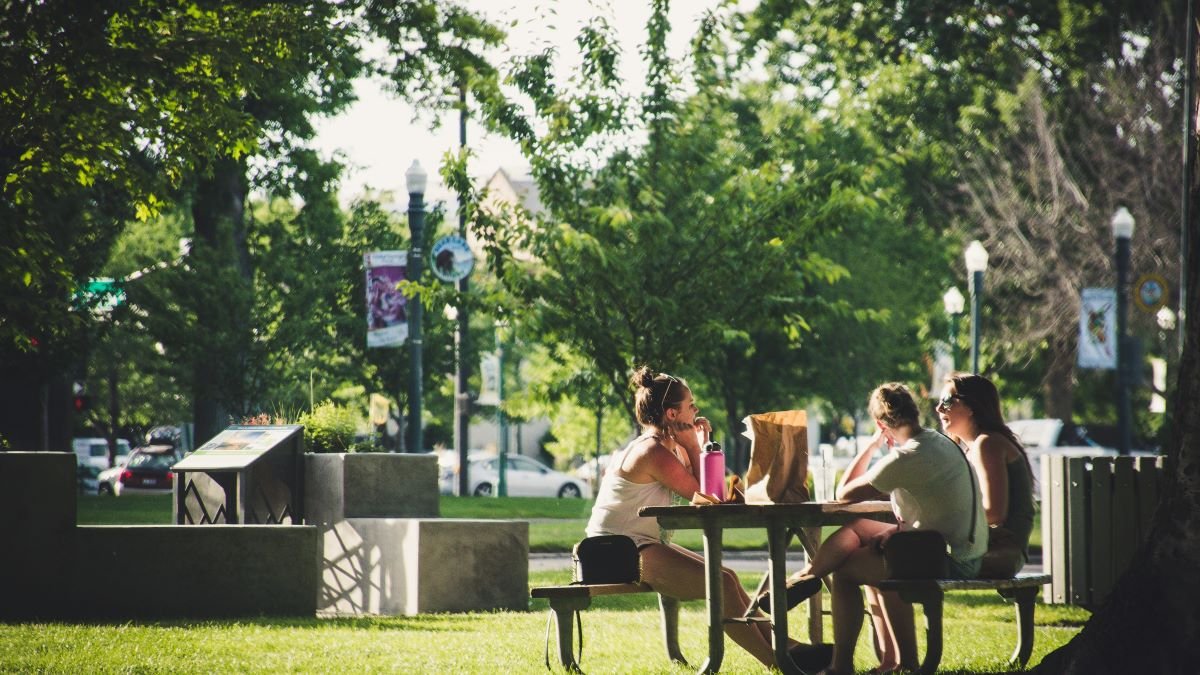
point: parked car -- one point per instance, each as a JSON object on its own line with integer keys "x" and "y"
{"x": 87, "y": 477}
{"x": 148, "y": 471}
{"x": 1052, "y": 436}
{"x": 524, "y": 477}
{"x": 587, "y": 470}
{"x": 94, "y": 451}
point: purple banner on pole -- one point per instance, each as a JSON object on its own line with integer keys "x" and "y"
{"x": 387, "y": 320}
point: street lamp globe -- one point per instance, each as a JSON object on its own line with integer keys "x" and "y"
{"x": 1165, "y": 318}
{"x": 1122, "y": 224}
{"x": 954, "y": 301}
{"x": 416, "y": 178}
{"x": 976, "y": 257}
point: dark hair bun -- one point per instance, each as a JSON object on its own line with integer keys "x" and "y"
{"x": 642, "y": 377}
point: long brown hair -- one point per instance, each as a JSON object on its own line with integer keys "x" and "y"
{"x": 980, "y": 395}
{"x": 655, "y": 393}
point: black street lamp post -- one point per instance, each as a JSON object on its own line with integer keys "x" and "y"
{"x": 1122, "y": 228}
{"x": 954, "y": 302}
{"x": 976, "y": 258}
{"x": 415, "y": 177}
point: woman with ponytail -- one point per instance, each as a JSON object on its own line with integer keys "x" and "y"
{"x": 664, "y": 461}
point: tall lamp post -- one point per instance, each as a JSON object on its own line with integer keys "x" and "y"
{"x": 415, "y": 177}
{"x": 976, "y": 258}
{"x": 1122, "y": 228}
{"x": 501, "y": 417}
{"x": 954, "y": 302}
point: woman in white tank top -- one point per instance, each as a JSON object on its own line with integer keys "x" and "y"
{"x": 662, "y": 461}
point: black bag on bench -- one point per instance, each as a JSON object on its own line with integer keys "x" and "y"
{"x": 606, "y": 559}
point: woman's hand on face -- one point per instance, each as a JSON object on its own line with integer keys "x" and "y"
{"x": 703, "y": 430}
{"x": 879, "y": 440}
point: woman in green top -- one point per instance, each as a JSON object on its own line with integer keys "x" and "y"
{"x": 969, "y": 410}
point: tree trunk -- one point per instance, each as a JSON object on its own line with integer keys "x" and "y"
{"x": 1058, "y": 386}
{"x": 1151, "y": 621}
{"x": 222, "y": 317}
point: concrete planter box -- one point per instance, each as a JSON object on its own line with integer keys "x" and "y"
{"x": 338, "y": 486}
{"x": 408, "y": 566}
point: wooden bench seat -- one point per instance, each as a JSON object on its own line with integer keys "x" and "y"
{"x": 930, "y": 593}
{"x": 565, "y": 601}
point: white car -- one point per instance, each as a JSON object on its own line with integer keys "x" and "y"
{"x": 1046, "y": 436}
{"x": 587, "y": 471}
{"x": 524, "y": 477}
{"x": 93, "y": 452}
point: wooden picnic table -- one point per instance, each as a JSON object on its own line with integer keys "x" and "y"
{"x": 779, "y": 520}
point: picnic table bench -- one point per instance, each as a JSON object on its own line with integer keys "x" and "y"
{"x": 567, "y": 601}
{"x": 930, "y": 593}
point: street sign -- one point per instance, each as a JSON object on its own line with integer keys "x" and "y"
{"x": 1150, "y": 292}
{"x": 102, "y": 294}
{"x": 451, "y": 258}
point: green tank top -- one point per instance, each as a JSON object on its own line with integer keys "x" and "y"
{"x": 1020, "y": 503}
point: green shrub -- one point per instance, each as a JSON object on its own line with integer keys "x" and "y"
{"x": 330, "y": 428}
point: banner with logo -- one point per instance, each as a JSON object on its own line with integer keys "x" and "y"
{"x": 387, "y": 320}
{"x": 1098, "y": 328}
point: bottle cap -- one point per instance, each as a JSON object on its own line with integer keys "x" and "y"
{"x": 712, "y": 446}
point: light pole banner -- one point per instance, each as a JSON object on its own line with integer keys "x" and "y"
{"x": 387, "y": 322}
{"x": 1098, "y": 328}
{"x": 489, "y": 369}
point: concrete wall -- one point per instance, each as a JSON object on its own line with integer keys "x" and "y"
{"x": 369, "y": 485}
{"x": 407, "y": 566}
{"x": 53, "y": 569}
{"x": 195, "y": 571}
{"x": 37, "y": 523}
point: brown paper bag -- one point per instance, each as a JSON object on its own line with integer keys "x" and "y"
{"x": 778, "y": 457}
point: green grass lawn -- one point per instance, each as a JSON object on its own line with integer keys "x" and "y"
{"x": 621, "y": 633}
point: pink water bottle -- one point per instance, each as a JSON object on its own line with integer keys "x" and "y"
{"x": 712, "y": 470}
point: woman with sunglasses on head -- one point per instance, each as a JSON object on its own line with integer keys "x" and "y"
{"x": 970, "y": 413}
{"x": 662, "y": 461}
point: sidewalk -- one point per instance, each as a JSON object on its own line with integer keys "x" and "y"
{"x": 738, "y": 561}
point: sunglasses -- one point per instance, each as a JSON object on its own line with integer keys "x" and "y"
{"x": 663, "y": 403}
{"x": 947, "y": 402}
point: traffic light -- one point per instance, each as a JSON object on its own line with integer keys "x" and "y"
{"x": 80, "y": 400}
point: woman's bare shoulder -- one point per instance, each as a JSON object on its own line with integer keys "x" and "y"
{"x": 996, "y": 445}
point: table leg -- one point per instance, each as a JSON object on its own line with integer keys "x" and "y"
{"x": 713, "y": 597}
{"x": 777, "y": 541}
{"x": 810, "y": 538}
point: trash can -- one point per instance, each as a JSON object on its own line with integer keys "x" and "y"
{"x": 1096, "y": 512}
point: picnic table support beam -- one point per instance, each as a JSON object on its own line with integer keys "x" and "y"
{"x": 1024, "y": 598}
{"x": 777, "y": 544}
{"x": 566, "y": 609}
{"x": 670, "y": 624}
{"x": 931, "y": 599}
{"x": 714, "y": 596}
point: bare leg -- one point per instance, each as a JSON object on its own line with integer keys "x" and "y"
{"x": 885, "y": 644}
{"x": 899, "y": 616}
{"x": 679, "y": 573}
{"x": 842, "y": 544}
{"x": 863, "y": 566}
